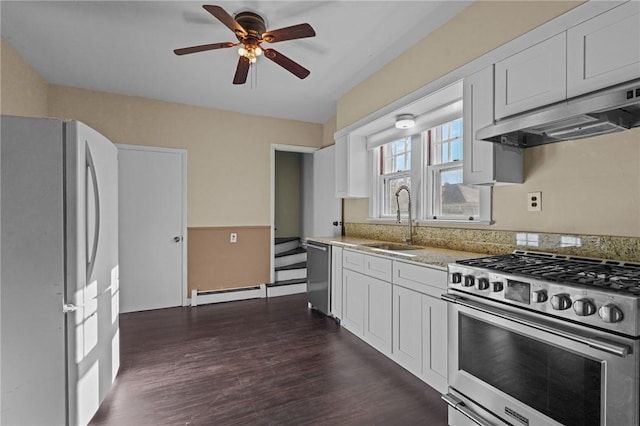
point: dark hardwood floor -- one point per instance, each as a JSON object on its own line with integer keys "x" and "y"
{"x": 258, "y": 362}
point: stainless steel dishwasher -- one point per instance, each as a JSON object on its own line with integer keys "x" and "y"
{"x": 319, "y": 276}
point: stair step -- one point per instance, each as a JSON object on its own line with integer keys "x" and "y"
{"x": 296, "y": 250}
{"x": 288, "y": 282}
{"x": 290, "y": 274}
{"x": 286, "y": 287}
{"x": 286, "y": 244}
{"x": 290, "y": 259}
{"x": 301, "y": 265}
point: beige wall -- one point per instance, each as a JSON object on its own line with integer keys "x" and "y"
{"x": 229, "y": 154}
{"x": 288, "y": 213}
{"x": 22, "y": 90}
{"x": 476, "y": 30}
{"x": 328, "y": 130}
{"x": 590, "y": 186}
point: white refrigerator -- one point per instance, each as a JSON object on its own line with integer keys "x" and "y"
{"x": 59, "y": 345}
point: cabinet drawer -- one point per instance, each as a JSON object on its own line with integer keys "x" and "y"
{"x": 378, "y": 267}
{"x": 353, "y": 260}
{"x": 424, "y": 279}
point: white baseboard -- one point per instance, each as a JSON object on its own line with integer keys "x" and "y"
{"x": 227, "y": 295}
{"x": 285, "y": 290}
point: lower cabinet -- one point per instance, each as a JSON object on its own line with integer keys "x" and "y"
{"x": 367, "y": 309}
{"x": 395, "y": 307}
{"x": 420, "y": 335}
{"x": 354, "y": 291}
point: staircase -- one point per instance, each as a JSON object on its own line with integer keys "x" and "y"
{"x": 290, "y": 265}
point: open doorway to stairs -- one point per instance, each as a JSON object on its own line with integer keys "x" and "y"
{"x": 291, "y": 195}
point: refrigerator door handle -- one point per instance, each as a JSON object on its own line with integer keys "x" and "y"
{"x": 91, "y": 258}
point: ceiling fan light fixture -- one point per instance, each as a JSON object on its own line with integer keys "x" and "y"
{"x": 251, "y": 53}
{"x": 405, "y": 121}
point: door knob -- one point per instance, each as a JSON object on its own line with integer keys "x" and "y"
{"x": 177, "y": 239}
{"x": 336, "y": 223}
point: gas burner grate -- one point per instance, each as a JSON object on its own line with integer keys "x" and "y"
{"x": 618, "y": 276}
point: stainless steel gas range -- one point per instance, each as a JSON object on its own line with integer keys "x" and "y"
{"x": 543, "y": 339}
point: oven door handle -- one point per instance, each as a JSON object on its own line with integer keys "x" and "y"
{"x": 600, "y": 344}
{"x": 458, "y": 405}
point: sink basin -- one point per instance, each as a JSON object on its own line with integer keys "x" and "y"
{"x": 392, "y": 247}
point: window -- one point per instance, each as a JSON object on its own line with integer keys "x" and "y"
{"x": 428, "y": 160}
{"x": 447, "y": 197}
{"x": 394, "y": 172}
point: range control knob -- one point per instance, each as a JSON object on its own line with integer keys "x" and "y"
{"x": 497, "y": 286}
{"x": 584, "y": 307}
{"x": 561, "y": 301}
{"x": 469, "y": 281}
{"x": 482, "y": 284}
{"x": 539, "y": 296}
{"x": 456, "y": 278}
{"x": 610, "y": 313}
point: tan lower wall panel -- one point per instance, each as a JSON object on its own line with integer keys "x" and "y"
{"x": 216, "y": 264}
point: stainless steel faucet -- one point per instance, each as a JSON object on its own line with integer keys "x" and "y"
{"x": 409, "y": 238}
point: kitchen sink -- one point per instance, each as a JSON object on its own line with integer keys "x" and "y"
{"x": 392, "y": 247}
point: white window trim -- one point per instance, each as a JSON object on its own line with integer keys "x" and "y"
{"x": 375, "y": 208}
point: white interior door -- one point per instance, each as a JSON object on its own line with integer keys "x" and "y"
{"x": 327, "y": 208}
{"x": 152, "y": 227}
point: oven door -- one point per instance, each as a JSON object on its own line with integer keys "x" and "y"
{"x": 526, "y": 370}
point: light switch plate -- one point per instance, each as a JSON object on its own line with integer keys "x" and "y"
{"x": 233, "y": 237}
{"x": 534, "y": 201}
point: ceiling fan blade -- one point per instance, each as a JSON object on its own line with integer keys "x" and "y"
{"x": 242, "y": 71}
{"x": 289, "y": 33}
{"x": 286, "y": 63}
{"x": 226, "y": 19}
{"x": 203, "y": 47}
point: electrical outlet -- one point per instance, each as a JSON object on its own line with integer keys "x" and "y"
{"x": 233, "y": 237}
{"x": 534, "y": 201}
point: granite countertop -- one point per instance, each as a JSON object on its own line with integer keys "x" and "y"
{"x": 432, "y": 256}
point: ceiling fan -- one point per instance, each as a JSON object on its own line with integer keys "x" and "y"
{"x": 250, "y": 30}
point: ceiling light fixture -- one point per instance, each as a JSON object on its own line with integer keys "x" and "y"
{"x": 251, "y": 53}
{"x": 405, "y": 121}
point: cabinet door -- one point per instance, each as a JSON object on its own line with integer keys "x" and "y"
{"x": 352, "y": 167}
{"x": 377, "y": 330}
{"x": 532, "y": 78}
{"x": 604, "y": 50}
{"x": 485, "y": 162}
{"x": 336, "y": 282}
{"x": 434, "y": 342}
{"x": 407, "y": 329}
{"x": 354, "y": 291}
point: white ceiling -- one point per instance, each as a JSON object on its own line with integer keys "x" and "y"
{"x": 126, "y": 47}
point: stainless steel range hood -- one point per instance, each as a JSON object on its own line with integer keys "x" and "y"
{"x": 607, "y": 111}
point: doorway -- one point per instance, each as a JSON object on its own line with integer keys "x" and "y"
{"x": 291, "y": 211}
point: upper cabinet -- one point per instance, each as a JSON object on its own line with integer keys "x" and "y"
{"x": 485, "y": 162}
{"x": 604, "y": 50}
{"x": 531, "y": 78}
{"x": 352, "y": 167}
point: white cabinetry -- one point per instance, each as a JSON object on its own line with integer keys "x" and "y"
{"x": 367, "y": 298}
{"x": 604, "y": 50}
{"x": 354, "y": 288}
{"x": 395, "y": 307}
{"x": 336, "y": 282}
{"x": 352, "y": 167}
{"x": 420, "y": 322}
{"x": 531, "y": 78}
{"x": 485, "y": 162}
